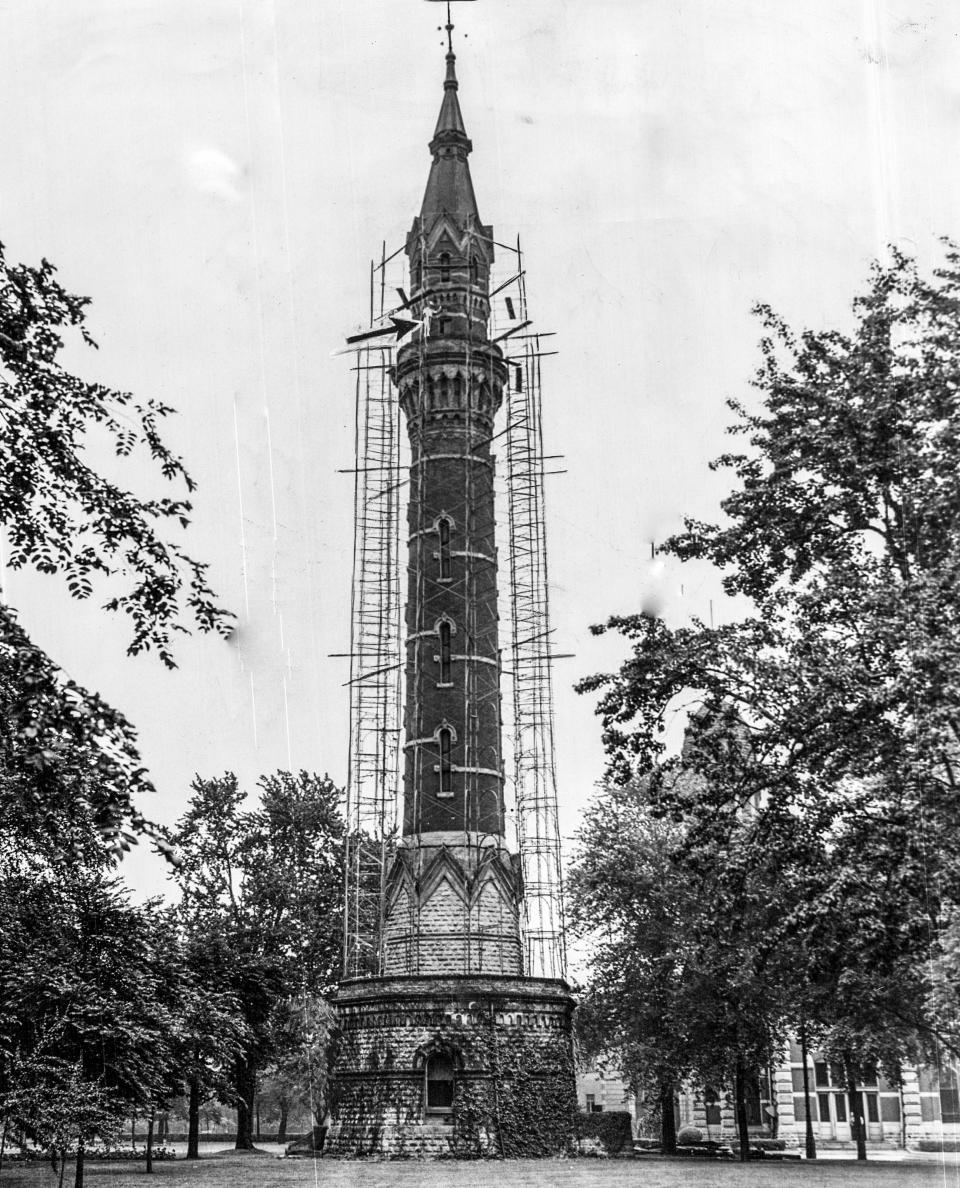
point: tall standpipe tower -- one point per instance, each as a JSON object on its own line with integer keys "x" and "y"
{"x": 450, "y": 384}
{"x": 454, "y": 1018}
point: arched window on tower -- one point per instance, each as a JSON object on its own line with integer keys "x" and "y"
{"x": 416, "y": 275}
{"x": 444, "y": 266}
{"x": 474, "y": 271}
{"x": 444, "y": 633}
{"x": 445, "y": 739}
{"x": 439, "y": 1083}
{"x": 443, "y": 530}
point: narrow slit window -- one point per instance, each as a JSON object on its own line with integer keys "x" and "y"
{"x": 444, "y": 653}
{"x": 444, "y": 266}
{"x": 474, "y": 271}
{"x": 445, "y": 746}
{"x": 444, "y": 531}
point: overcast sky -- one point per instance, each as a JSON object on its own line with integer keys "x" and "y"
{"x": 217, "y": 175}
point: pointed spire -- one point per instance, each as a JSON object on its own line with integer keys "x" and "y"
{"x": 449, "y": 188}
{"x": 450, "y": 118}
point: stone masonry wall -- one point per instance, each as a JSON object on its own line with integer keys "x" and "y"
{"x": 452, "y": 910}
{"x": 509, "y": 1039}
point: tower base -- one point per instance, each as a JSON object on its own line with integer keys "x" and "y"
{"x": 506, "y": 1041}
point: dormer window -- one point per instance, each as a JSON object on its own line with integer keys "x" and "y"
{"x": 444, "y": 266}
{"x": 443, "y": 530}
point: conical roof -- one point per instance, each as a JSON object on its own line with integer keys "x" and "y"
{"x": 449, "y": 187}
{"x": 450, "y": 118}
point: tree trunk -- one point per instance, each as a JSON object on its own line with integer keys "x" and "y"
{"x": 668, "y": 1120}
{"x": 858, "y": 1124}
{"x": 63, "y": 1168}
{"x": 78, "y": 1174}
{"x": 257, "y": 1109}
{"x": 133, "y": 1130}
{"x": 284, "y": 1111}
{"x": 774, "y": 1109}
{"x": 150, "y": 1144}
{"x": 811, "y": 1144}
{"x": 193, "y": 1119}
{"x": 3, "y": 1143}
{"x": 740, "y": 1109}
{"x": 245, "y": 1084}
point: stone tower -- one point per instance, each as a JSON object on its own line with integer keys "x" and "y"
{"x": 451, "y": 1049}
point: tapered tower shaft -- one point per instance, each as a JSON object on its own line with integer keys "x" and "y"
{"x": 446, "y": 1045}
{"x": 453, "y": 899}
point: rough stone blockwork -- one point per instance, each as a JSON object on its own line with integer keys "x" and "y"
{"x": 452, "y": 910}
{"x": 510, "y": 1044}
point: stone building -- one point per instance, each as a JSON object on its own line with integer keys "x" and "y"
{"x": 449, "y": 1046}
{"x": 925, "y": 1106}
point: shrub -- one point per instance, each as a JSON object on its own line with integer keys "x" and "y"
{"x": 614, "y": 1130}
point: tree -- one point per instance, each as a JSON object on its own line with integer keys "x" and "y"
{"x": 297, "y": 1076}
{"x": 212, "y": 1029}
{"x": 70, "y": 772}
{"x": 267, "y": 883}
{"x": 61, "y": 515}
{"x": 632, "y": 909}
{"x": 91, "y": 988}
{"x": 688, "y": 965}
{"x": 844, "y": 532}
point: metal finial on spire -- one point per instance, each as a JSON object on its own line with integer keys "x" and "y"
{"x": 449, "y": 26}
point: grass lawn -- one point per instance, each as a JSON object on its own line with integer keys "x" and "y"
{"x": 229, "y": 1170}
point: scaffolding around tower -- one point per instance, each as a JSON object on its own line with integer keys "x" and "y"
{"x": 531, "y": 650}
{"x": 375, "y": 648}
{"x": 454, "y": 1039}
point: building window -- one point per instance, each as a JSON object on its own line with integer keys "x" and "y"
{"x": 474, "y": 271}
{"x": 591, "y": 1102}
{"x": 443, "y": 530}
{"x": 444, "y": 266}
{"x": 440, "y": 1083}
{"x": 445, "y": 741}
{"x": 444, "y": 633}
{"x": 711, "y": 1102}
{"x": 752, "y": 1101}
{"x": 949, "y": 1095}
